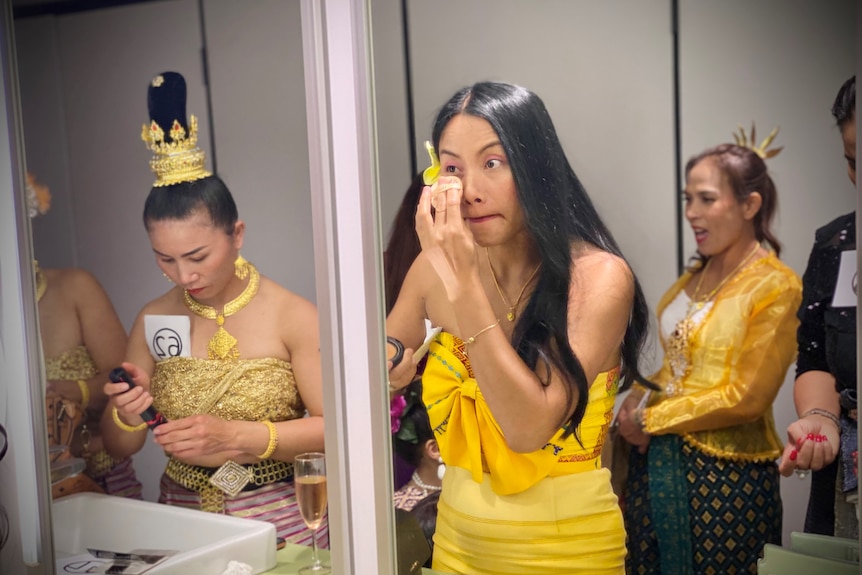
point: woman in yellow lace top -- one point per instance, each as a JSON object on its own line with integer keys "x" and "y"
{"x": 228, "y": 356}
{"x": 539, "y": 310}
{"x": 706, "y": 442}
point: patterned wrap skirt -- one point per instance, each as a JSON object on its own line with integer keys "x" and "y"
{"x": 121, "y": 480}
{"x": 274, "y": 503}
{"x": 690, "y": 513}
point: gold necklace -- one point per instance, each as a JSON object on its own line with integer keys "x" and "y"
{"x": 41, "y": 281}
{"x": 715, "y": 290}
{"x": 511, "y": 314}
{"x": 679, "y": 341}
{"x": 222, "y": 345}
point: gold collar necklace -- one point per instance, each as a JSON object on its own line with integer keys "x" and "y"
{"x": 512, "y": 307}
{"x": 222, "y": 345}
{"x": 41, "y": 281}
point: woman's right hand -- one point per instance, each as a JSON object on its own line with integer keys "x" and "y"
{"x": 803, "y": 451}
{"x": 446, "y": 240}
{"x": 130, "y": 403}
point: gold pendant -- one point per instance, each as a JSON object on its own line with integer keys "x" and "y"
{"x": 222, "y": 345}
{"x": 510, "y": 316}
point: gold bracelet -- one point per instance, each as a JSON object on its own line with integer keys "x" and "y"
{"x": 472, "y": 339}
{"x": 273, "y": 440}
{"x": 85, "y": 393}
{"x": 125, "y": 426}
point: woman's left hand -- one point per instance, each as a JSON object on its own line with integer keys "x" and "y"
{"x": 194, "y": 437}
{"x": 445, "y": 238}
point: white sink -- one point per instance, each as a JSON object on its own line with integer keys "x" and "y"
{"x": 206, "y": 542}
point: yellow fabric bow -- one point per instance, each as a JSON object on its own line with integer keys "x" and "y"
{"x": 465, "y": 429}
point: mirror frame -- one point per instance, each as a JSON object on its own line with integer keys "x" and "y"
{"x": 349, "y": 279}
{"x": 19, "y": 331}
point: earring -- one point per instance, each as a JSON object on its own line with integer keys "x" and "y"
{"x": 441, "y": 469}
{"x": 167, "y": 277}
{"x": 241, "y": 265}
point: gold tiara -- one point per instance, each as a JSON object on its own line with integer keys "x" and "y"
{"x": 746, "y": 141}
{"x": 179, "y": 160}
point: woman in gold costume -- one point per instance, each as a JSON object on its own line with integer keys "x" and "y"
{"x": 229, "y": 357}
{"x": 541, "y": 315}
{"x": 82, "y": 340}
{"x": 702, "y": 495}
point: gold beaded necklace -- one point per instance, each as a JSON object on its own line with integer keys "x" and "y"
{"x": 41, "y": 281}
{"x": 222, "y": 345}
{"x": 679, "y": 341}
{"x": 512, "y": 307}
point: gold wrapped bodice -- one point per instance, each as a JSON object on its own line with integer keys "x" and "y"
{"x": 239, "y": 390}
{"x": 72, "y": 364}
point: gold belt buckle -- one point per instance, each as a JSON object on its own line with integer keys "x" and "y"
{"x": 231, "y": 477}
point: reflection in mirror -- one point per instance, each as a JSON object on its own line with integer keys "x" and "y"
{"x": 630, "y": 113}
{"x": 83, "y": 74}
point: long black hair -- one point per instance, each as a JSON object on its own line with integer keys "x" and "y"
{"x": 557, "y": 212}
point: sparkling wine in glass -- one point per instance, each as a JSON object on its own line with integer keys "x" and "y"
{"x": 309, "y": 472}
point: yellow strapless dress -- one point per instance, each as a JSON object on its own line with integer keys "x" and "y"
{"x": 549, "y": 511}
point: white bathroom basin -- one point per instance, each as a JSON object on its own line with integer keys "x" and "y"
{"x": 205, "y": 542}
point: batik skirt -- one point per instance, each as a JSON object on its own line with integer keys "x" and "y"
{"x": 690, "y": 513}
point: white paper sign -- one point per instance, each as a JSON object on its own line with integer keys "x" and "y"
{"x": 168, "y": 336}
{"x": 845, "y": 288}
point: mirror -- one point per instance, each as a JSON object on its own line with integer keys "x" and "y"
{"x": 82, "y": 72}
{"x": 634, "y": 90}
{"x": 274, "y": 168}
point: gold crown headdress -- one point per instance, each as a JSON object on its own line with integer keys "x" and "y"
{"x": 744, "y": 140}
{"x": 177, "y": 158}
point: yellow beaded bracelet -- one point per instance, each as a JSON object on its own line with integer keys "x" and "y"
{"x": 125, "y": 426}
{"x": 85, "y": 393}
{"x": 273, "y": 440}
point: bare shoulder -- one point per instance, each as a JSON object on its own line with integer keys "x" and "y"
{"x": 72, "y": 279}
{"x": 596, "y": 271}
{"x": 169, "y": 303}
{"x": 293, "y": 310}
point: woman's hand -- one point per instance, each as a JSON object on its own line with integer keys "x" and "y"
{"x": 812, "y": 444}
{"x": 402, "y": 374}
{"x": 446, "y": 240}
{"x": 195, "y": 437}
{"x": 629, "y": 428}
{"x": 130, "y": 403}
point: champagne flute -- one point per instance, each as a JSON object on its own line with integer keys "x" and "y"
{"x": 309, "y": 472}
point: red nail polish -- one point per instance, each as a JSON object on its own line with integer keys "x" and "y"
{"x": 810, "y": 436}
{"x": 793, "y": 455}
